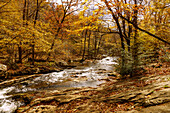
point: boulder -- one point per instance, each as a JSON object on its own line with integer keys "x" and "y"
{"x": 3, "y": 67}
{"x": 3, "y": 71}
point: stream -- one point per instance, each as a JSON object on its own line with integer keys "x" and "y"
{"x": 82, "y": 76}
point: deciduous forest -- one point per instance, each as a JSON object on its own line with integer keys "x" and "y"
{"x": 125, "y": 42}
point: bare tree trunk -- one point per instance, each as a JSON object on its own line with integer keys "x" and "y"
{"x": 120, "y": 34}
{"x": 129, "y": 35}
{"x": 135, "y": 49}
{"x": 33, "y": 52}
{"x": 129, "y": 28}
{"x": 20, "y": 45}
{"x": 81, "y": 48}
{"x": 122, "y": 46}
{"x": 95, "y": 46}
{"x": 84, "y": 50}
{"x": 33, "y": 43}
{"x": 20, "y": 53}
{"x": 99, "y": 44}
{"x": 89, "y": 44}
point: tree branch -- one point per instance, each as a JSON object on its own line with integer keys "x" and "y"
{"x": 144, "y": 30}
{"x": 5, "y": 4}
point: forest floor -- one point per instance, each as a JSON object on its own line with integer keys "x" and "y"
{"x": 147, "y": 93}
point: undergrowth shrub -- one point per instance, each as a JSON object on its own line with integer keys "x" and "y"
{"x": 128, "y": 67}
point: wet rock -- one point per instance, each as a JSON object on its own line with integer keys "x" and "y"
{"x": 164, "y": 108}
{"x": 23, "y": 97}
{"x": 61, "y": 99}
{"x": 102, "y": 71}
{"x": 3, "y": 71}
{"x": 36, "y": 106}
{"x": 55, "y": 92}
{"x": 44, "y": 108}
{"x": 3, "y": 67}
{"x": 114, "y": 74}
{"x": 157, "y": 97}
{"x": 10, "y": 82}
{"x": 151, "y": 95}
{"x": 74, "y": 76}
{"x": 40, "y": 109}
{"x": 83, "y": 78}
{"x": 79, "y": 79}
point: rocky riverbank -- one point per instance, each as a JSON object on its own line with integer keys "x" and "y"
{"x": 22, "y": 70}
{"x": 27, "y": 70}
{"x": 139, "y": 94}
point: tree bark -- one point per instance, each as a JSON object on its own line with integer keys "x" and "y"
{"x": 19, "y": 46}
{"x": 135, "y": 48}
{"x": 84, "y": 50}
{"x": 95, "y": 45}
{"x": 33, "y": 43}
{"x": 99, "y": 43}
{"x": 20, "y": 53}
{"x": 88, "y": 50}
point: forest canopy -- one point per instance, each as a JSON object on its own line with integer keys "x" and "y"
{"x": 135, "y": 30}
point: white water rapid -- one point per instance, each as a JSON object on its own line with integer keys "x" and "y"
{"x": 89, "y": 76}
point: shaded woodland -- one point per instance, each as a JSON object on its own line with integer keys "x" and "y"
{"x": 40, "y": 32}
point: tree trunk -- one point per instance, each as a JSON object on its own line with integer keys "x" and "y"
{"x": 19, "y": 46}
{"x": 129, "y": 35}
{"x": 95, "y": 46}
{"x": 99, "y": 43}
{"x": 121, "y": 36}
{"x": 135, "y": 49}
{"x": 127, "y": 38}
{"x": 89, "y": 45}
{"x": 84, "y": 50}
{"x": 81, "y": 48}
{"x": 33, "y": 52}
{"x": 20, "y": 53}
{"x": 129, "y": 28}
{"x": 33, "y": 43}
{"x": 122, "y": 47}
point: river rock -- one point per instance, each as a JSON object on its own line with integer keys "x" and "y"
{"x": 163, "y": 108}
{"x": 3, "y": 71}
{"x": 74, "y": 76}
{"x": 43, "y": 109}
{"x": 114, "y": 74}
{"x": 3, "y": 67}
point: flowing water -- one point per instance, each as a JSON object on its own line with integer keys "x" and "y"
{"x": 81, "y": 76}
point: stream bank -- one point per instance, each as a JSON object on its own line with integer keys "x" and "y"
{"x": 23, "y": 70}
{"x": 21, "y": 91}
{"x": 148, "y": 93}
{"x": 88, "y": 89}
